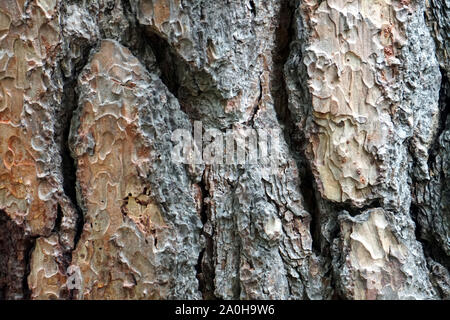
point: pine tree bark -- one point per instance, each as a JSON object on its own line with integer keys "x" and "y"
{"x": 93, "y": 95}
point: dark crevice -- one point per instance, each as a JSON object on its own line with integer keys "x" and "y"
{"x": 123, "y": 207}
{"x": 251, "y": 121}
{"x": 430, "y": 246}
{"x": 252, "y": 7}
{"x": 296, "y": 140}
{"x": 444, "y": 111}
{"x": 166, "y": 61}
{"x": 198, "y": 269}
{"x": 421, "y": 213}
{"x": 170, "y": 65}
{"x": 65, "y": 116}
{"x": 336, "y": 295}
{"x": 68, "y": 164}
{"x": 415, "y": 212}
{"x": 293, "y": 136}
{"x": 283, "y": 39}
{"x": 354, "y": 210}
{"x": 432, "y": 249}
{"x": 16, "y": 247}
{"x": 59, "y": 216}
{"x": 109, "y": 7}
{"x": 29, "y": 247}
{"x": 205, "y": 264}
{"x": 70, "y": 104}
{"x": 69, "y": 167}
{"x": 69, "y": 170}
{"x": 238, "y": 268}
{"x": 205, "y": 195}
{"x": 307, "y": 189}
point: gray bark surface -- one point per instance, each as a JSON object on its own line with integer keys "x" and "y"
{"x": 93, "y": 204}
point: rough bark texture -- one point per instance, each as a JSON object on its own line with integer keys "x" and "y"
{"x": 93, "y": 205}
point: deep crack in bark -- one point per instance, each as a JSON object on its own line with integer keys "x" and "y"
{"x": 205, "y": 262}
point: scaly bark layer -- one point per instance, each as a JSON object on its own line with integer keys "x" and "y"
{"x": 93, "y": 206}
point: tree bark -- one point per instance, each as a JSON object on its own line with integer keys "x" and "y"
{"x": 181, "y": 149}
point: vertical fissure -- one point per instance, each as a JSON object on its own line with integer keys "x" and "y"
{"x": 58, "y": 221}
{"x": 422, "y": 212}
{"x": 444, "y": 111}
{"x": 167, "y": 65}
{"x": 205, "y": 263}
{"x": 293, "y": 137}
{"x": 29, "y": 247}
{"x": 68, "y": 167}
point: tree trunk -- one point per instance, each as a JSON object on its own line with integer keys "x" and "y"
{"x": 181, "y": 149}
